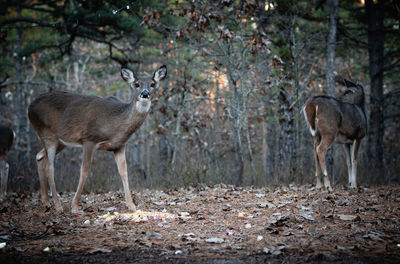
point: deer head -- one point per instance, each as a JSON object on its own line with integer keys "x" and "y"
{"x": 143, "y": 87}
{"x": 354, "y": 93}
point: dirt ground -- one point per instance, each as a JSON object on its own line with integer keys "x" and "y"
{"x": 220, "y": 224}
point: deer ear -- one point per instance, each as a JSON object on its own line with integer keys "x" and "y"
{"x": 160, "y": 74}
{"x": 128, "y": 75}
{"x": 349, "y": 83}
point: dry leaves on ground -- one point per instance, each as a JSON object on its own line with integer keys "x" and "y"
{"x": 294, "y": 223}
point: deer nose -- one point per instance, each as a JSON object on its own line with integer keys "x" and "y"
{"x": 145, "y": 94}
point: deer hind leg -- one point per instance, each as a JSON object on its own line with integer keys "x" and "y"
{"x": 321, "y": 151}
{"x": 317, "y": 140}
{"x": 347, "y": 151}
{"x": 88, "y": 150}
{"x": 46, "y": 176}
{"x": 120, "y": 159}
{"x": 51, "y": 155}
{"x": 42, "y": 164}
{"x": 4, "y": 179}
{"x": 353, "y": 154}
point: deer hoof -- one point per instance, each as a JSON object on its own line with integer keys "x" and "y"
{"x": 132, "y": 207}
{"x": 329, "y": 188}
{"x": 75, "y": 210}
{"x": 45, "y": 201}
{"x": 59, "y": 208}
{"x": 58, "y": 205}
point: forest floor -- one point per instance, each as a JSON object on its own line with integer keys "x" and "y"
{"x": 220, "y": 224}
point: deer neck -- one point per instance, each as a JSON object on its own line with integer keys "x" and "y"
{"x": 142, "y": 106}
{"x": 138, "y": 111}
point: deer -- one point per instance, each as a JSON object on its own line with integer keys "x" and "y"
{"x": 65, "y": 119}
{"x": 7, "y": 137}
{"x": 340, "y": 120}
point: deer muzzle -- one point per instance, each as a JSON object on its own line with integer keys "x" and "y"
{"x": 145, "y": 94}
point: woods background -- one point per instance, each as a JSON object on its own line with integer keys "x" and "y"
{"x": 239, "y": 73}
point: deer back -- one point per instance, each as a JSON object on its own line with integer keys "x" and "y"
{"x": 346, "y": 115}
{"x": 108, "y": 122}
{"x": 76, "y": 118}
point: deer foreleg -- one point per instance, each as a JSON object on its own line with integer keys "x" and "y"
{"x": 120, "y": 159}
{"x": 354, "y": 152}
{"x": 347, "y": 151}
{"x": 4, "y": 179}
{"x": 88, "y": 151}
{"x": 51, "y": 155}
{"x": 42, "y": 162}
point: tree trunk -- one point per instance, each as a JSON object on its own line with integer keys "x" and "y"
{"x": 237, "y": 132}
{"x": 164, "y": 153}
{"x": 19, "y": 87}
{"x": 286, "y": 158}
{"x": 375, "y": 18}
{"x": 330, "y": 68}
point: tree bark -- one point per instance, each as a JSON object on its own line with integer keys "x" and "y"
{"x": 330, "y": 68}
{"x": 375, "y": 16}
{"x": 237, "y": 135}
{"x": 286, "y": 161}
{"x": 164, "y": 151}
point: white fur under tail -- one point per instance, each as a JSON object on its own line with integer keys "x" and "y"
{"x": 313, "y": 132}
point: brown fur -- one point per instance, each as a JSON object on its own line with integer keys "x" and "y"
{"x": 341, "y": 121}
{"x": 62, "y": 118}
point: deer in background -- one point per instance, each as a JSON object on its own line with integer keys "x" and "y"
{"x": 7, "y": 137}
{"x": 64, "y": 119}
{"x": 341, "y": 121}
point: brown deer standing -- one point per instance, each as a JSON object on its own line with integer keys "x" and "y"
{"x": 67, "y": 119}
{"x": 7, "y": 137}
{"x": 341, "y": 121}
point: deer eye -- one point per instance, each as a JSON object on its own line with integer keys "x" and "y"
{"x": 152, "y": 85}
{"x": 137, "y": 85}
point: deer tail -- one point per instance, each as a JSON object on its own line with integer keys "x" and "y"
{"x": 310, "y": 114}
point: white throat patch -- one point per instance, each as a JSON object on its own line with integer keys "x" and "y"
{"x": 143, "y": 105}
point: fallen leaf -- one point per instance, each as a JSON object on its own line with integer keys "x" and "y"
{"x": 345, "y": 248}
{"x": 99, "y": 250}
{"x": 154, "y": 234}
{"x": 241, "y": 215}
{"x": 266, "y": 205}
{"x": 46, "y": 249}
{"x": 373, "y": 236}
{"x": 236, "y": 247}
{"x": 215, "y": 240}
{"x": 189, "y": 235}
{"x": 307, "y": 216}
{"x": 349, "y": 217}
